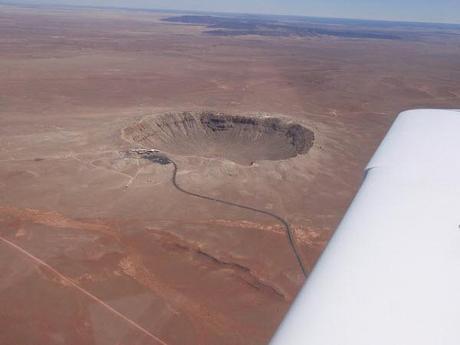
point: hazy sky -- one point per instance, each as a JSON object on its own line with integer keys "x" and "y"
{"x": 408, "y": 10}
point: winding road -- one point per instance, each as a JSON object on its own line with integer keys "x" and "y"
{"x": 229, "y": 203}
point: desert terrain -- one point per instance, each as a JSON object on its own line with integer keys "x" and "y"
{"x": 170, "y": 178}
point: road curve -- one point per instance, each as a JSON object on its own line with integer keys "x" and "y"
{"x": 229, "y": 203}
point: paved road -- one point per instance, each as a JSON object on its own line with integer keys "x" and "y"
{"x": 229, "y": 203}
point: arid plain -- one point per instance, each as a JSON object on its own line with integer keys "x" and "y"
{"x": 103, "y": 243}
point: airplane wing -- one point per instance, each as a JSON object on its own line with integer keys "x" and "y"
{"x": 391, "y": 273}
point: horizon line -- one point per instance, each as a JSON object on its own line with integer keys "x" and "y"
{"x": 171, "y": 10}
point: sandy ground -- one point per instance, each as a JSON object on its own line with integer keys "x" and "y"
{"x": 97, "y": 247}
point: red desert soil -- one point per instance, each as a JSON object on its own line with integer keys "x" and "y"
{"x": 98, "y": 246}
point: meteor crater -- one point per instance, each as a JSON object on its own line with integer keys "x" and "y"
{"x": 241, "y": 139}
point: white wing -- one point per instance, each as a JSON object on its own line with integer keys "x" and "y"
{"x": 391, "y": 273}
